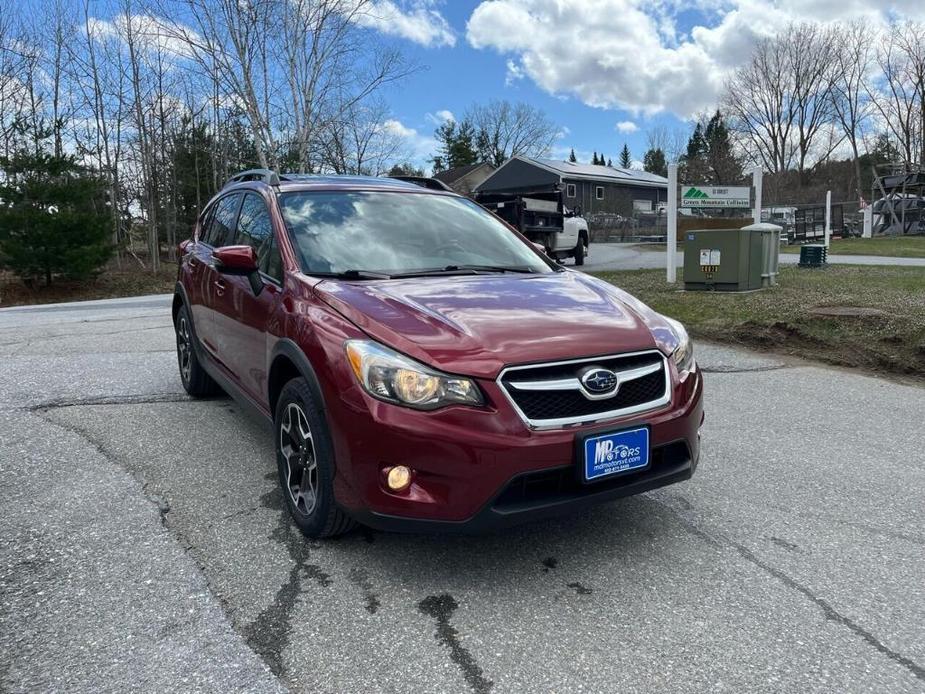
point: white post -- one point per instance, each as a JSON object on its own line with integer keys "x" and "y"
{"x": 672, "y": 257}
{"x": 828, "y": 216}
{"x": 868, "y": 222}
{"x": 757, "y": 177}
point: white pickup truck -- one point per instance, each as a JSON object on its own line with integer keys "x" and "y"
{"x": 543, "y": 219}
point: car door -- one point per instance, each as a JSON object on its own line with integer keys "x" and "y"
{"x": 212, "y": 284}
{"x": 244, "y": 320}
{"x": 196, "y": 260}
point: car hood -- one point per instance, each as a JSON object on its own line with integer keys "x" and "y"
{"x": 475, "y": 325}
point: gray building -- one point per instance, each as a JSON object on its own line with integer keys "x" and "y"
{"x": 607, "y": 189}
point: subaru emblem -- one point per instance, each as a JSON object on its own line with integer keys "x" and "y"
{"x": 598, "y": 381}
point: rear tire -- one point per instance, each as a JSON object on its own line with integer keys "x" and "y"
{"x": 305, "y": 462}
{"x": 196, "y": 381}
{"x": 580, "y": 252}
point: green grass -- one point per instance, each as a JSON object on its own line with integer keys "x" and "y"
{"x": 779, "y": 319}
{"x": 896, "y": 246}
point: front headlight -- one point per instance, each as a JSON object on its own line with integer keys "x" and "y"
{"x": 393, "y": 377}
{"x": 683, "y": 354}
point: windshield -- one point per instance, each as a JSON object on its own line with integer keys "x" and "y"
{"x": 401, "y": 233}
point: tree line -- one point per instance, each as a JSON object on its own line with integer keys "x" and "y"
{"x": 493, "y": 133}
{"x": 161, "y": 111}
{"x": 814, "y": 90}
{"x": 156, "y": 105}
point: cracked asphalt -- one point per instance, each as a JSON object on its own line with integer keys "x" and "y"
{"x": 145, "y": 545}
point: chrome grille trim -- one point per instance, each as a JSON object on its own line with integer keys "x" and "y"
{"x": 572, "y": 384}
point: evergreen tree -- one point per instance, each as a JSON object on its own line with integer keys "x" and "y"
{"x": 407, "y": 169}
{"x": 457, "y": 145}
{"x": 710, "y": 155}
{"x": 571, "y": 157}
{"x": 654, "y": 162}
{"x": 594, "y": 160}
{"x": 696, "y": 146}
{"x": 609, "y": 162}
{"x": 723, "y": 166}
{"x": 54, "y": 218}
{"x": 626, "y": 159}
{"x": 189, "y": 169}
{"x": 693, "y": 165}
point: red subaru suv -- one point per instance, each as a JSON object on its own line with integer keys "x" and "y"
{"x": 424, "y": 366}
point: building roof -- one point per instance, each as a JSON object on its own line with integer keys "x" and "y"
{"x": 614, "y": 174}
{"x": 458, "y": 172}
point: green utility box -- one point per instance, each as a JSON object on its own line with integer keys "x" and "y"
{"x": 731, "y": 260}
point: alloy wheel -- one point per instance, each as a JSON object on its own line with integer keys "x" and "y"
{"x": 298, "y": 449}
{"x": 184, "y": 349}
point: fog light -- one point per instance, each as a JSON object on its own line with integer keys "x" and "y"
{"x": 399, "y": 478}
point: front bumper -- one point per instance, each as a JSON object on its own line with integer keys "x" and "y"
{"x": 478, "y": 469}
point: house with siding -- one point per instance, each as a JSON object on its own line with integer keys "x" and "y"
{"x": 592, "y": 188}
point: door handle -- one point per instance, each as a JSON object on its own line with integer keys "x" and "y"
{"x": 220, "y": 285}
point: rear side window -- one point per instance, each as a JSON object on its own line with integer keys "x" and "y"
{"x": 222, "y": 221}
{"x": 254, "y": 226}
{"x": 205, "y": 222}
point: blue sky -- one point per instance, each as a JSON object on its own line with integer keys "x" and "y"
{"x": 455, "y": 77}
{"x": 606, "y": 71}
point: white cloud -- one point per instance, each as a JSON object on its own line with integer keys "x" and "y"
{"x": 419, "y": 147}
{"x": 415, "y": 20}
{"x": 150, "y": 32}
{"x": 627, "y": 126}
{"x": 514, "y": 72}
{"x": 440, "y": 117}
{"x": 630, "y": 54}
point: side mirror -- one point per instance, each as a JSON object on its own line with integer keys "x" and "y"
{"x": 241, "y": 261}
{"x": 538, "y": 246}
{"x": 235, "y": 260}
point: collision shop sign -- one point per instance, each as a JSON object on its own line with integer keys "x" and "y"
{"x": 715, "y": 196}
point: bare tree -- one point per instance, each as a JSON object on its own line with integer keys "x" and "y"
{"x": 779, "y": 102}
{"x": 14, "y": 62}
{"x": 851, "y": 104}
{"x": 230, "y": 39}
{"x": 810, "y": 59}
{"x": 505, "y": 130}
{"x": 910, "y": 42}
{"x": 898, "y": 92}
{"x": 362, "y": 141}
{"x": 757, "y": 101}
{"x": 671, "y": 141}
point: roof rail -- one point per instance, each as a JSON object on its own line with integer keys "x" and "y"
{"x": 268, "y": 176}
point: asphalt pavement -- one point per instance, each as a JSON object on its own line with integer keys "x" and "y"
{"x": 145, "y": 545}
{"x": 623, "y": 256}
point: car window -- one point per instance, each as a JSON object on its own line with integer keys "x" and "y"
{"x": 399, "y": 233}
{"x": 204, "y": 223}
{"x": 271, "y": 264}
{"x": 254, "y": 226}
{"x": 223, "y": 219}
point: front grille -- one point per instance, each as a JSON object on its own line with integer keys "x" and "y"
{"x": 564, "y": 405}
{"x": 563, "y": 484}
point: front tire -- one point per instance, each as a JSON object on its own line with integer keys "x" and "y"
{"x": 580, "y": 252}
{"x": 195, "y": 380}
{"x": 305, "y": 462}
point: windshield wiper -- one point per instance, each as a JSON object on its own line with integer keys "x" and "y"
{"x": 352, "y": 275}
{"x": 463, "y": 270}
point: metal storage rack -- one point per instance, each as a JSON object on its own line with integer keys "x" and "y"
{"x": 899, "y": 197}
